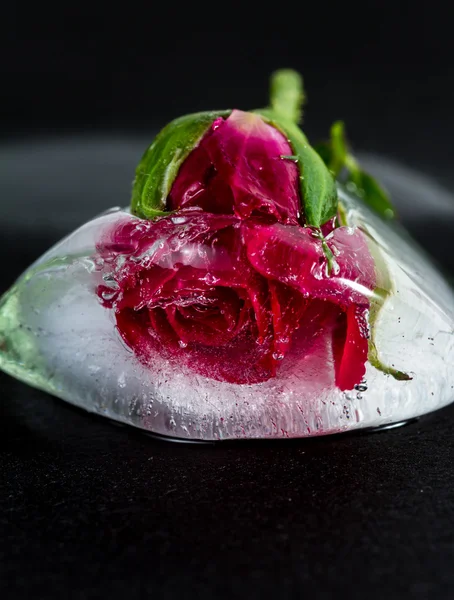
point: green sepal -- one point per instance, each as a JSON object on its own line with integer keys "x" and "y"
{"x": 380, "y": 296}
{"x": 317, "y": 185}
{"x": 337, "y": 157}
{"x": 159, "y": 165}
{"x": 375, "y": 361}
{"x": 382, "y": 291}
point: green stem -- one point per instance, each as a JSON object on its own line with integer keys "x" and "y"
{"x": 353, "y": 166}
{"x": 342, "y": 215}
{"x": 287, "y": 94}
{"x": 339, "y": 156}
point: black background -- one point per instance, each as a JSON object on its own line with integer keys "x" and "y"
{"x": 386, "y": 67}
{"x": 90, "y": 510}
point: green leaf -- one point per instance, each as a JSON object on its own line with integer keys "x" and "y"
{"x": 334, "y": 152}
{"x": 287, "y": 94}
{"x": 159, "y": 165}
{"x": 339, "y": 148}
{"x": 371, "y": 193}
{"x": 317, "y": 185}
{"x": 337, "y": 157}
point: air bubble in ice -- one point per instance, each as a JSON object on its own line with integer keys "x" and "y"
{"x": 361, "y": 387}
{"x": 108, "y": 295}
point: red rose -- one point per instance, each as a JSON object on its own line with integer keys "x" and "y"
{"x": 229, "y": 296}
{"x": 240, "y": 167}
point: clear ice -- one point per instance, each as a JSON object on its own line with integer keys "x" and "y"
{"x": 56, "y": 336}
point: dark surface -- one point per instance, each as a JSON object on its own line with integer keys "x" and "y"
{"x": 93, "y": 510}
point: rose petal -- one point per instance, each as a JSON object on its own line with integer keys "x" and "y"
{"x": 292, "y": 255}
{"x": 295, "y": 256}
{"x": 287, "y": 309}
{"x": 212, "y": 324}
{"x": 139, "y": 291}
{"x": 238, "y": 168}
{"x": 350, "y": 348}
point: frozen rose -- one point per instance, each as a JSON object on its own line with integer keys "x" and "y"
{"x": 227, "y": 296}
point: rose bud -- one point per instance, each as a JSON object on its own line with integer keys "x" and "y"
{"x": 241, "y": 163}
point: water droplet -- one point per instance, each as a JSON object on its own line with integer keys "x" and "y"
{"x": 278, "y": 355}
{"x": 182, "y": 344}
{"x": 361, "y": 387}
{"x": 178, "y": 220}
